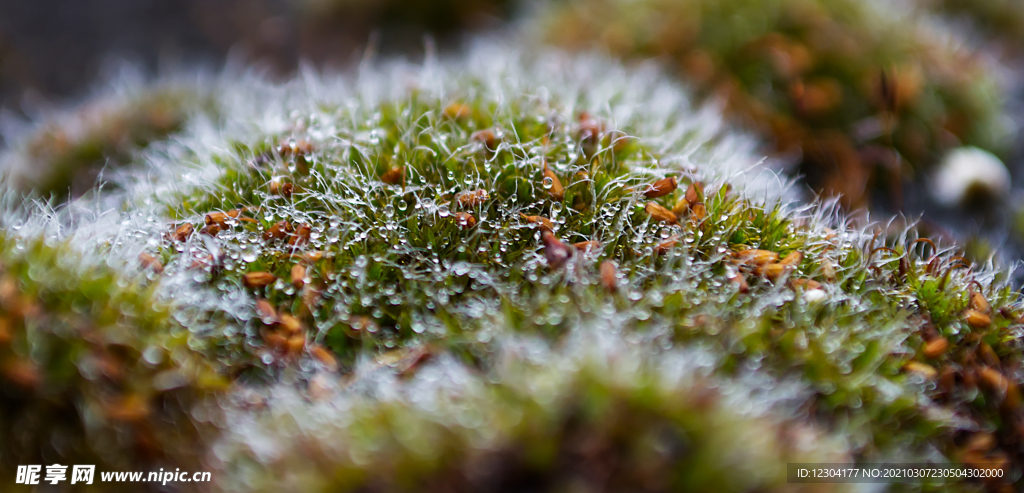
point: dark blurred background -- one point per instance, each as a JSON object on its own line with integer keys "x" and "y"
{"x": 54, "y": 49}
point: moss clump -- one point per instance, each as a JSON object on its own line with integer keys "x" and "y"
{"x": 539, "y": 273}
{"x": 444, "y": 225}
{"x": 64, "y": 156}
{"x": 573, "y": 420}
{"x": 867, "y": 97}
{"x": 92, "y": 370}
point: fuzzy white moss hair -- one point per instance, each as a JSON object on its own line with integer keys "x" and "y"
{"x": 636, "y": 97}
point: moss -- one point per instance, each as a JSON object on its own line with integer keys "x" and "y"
{"x": 387, "y": 265}
{"x": 92, "y": 370}
{"x": 65, "y": 156}
{"x": 600, "y": 426}
{"x": 548, "y": 275}
{"x": 867, "y": 97}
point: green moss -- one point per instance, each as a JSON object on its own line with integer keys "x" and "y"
{"x": 64, "y": 157}
{"x": 393, "y": 271}
{"x": 374, "y": 279}
{"x": 604, "y": 426}
{"x": 92, "y": 368}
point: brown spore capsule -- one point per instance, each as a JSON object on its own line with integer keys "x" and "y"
{"x": 661, "y": 187}
{"x": 661, "y": 214}
{"x": 298, "y": 275}
{"x": 151, "y": 263}
{"x": 609, "y": 275}
{"x": 556, "y": 252}
{"x": 465, "y": 220}
{"x": 541, "y": 221}
{"x": 472, "y": 198}
{"x": 394, "y": 176}
{"x": 553, "y": 184}
{"x": 183, "y": 232}
{"x": 258, "y": 279}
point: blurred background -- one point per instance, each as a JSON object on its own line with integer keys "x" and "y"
{"x": 908, "y": 109}
{"x": 54, "y": 49}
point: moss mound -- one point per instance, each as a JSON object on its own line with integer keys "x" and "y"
{"x": 91, "y": 372}
{"x": 543, "y": 273}
{"x": 66, "y": 155}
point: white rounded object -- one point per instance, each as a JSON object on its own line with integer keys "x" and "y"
{"x": 968, "y": 170}
{"x": 816, "y": 295}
